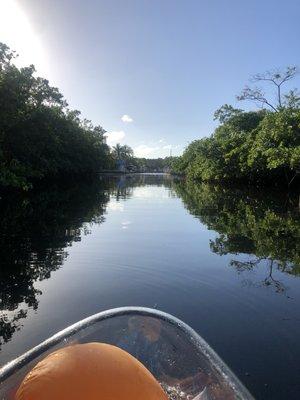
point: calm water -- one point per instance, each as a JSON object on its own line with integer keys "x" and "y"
{"x": 226, "y": 261}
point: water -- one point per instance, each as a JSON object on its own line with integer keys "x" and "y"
{"x": 224, "y": 260}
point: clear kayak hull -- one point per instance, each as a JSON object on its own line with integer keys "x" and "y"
{"x": 176, "y": 355}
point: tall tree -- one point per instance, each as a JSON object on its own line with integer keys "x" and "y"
{"x": 122, "y": 152}
{"x": 277, "y": 79}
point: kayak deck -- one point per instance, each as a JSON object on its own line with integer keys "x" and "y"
{"x": 176, "y": 355}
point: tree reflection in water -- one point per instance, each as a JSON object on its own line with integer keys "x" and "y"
{"x": 35, "y": 231}
{"x": 263, "y": 226}
{"x": 259, "y": 229}
{"x": 125, "y": 184}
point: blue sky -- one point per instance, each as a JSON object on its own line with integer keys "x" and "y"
{"x": 167, "y": 64}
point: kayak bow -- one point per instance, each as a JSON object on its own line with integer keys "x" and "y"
{"x": 182, "y": 361}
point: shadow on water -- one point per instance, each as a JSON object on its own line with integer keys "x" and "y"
{"x": 258, "y": 228}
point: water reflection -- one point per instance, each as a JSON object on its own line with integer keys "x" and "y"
{"x": 150, "y": 252}
{"x": 37, "y": 228}
{"x": 258, "y": 228}
{"x": 35, "y": 231}
{"x": 125, "y": 184}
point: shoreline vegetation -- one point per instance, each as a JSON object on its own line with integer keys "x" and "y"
{"x": 255, "y": 147}
{"x": 41, "y": 138}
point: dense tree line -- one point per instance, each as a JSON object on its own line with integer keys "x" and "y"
{"x": 153, "y": 164}
{"x": 253, "y": 146}
{"x": 39, "y": 135}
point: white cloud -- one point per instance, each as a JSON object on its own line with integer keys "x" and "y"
{"x": 144, "y": 151}
{"x": 126, "y": 118}
{"x": 153, "y": 150}
{"x": 114, "y": 137}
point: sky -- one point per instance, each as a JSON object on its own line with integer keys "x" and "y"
{"x": 152, "y": 72}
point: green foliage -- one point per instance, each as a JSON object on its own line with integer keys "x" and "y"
{"x": 224, "y": 155}
{"x": 292, "y": 99}
{"x": 154, "y": 164}
{"x": 248, "y": 146}
{"x": 225, "y": 112}
{"x": 277, "y": 144}
{"x": 124, "y": 152}
{"x": 39, "y": 136}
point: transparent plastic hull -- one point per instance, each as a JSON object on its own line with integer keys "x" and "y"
{"x": 176, "y": 355}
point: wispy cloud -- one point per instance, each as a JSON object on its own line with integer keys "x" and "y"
{"x": 126, "y": 118}
{"x": 114, "y": 137}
